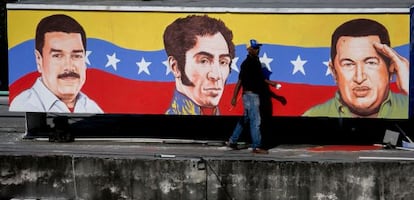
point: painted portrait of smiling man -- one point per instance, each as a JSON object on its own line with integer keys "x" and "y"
{"x": 60, "y": 59}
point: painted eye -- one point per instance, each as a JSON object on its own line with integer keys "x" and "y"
{"x": 57, "y": 55}
{"x": 224, "y": 62}
{"x": 204, "y": 61}
{"x": 372, "y": 62}
{"x": 77, "y": 56}
{"x": 347, "y": 64}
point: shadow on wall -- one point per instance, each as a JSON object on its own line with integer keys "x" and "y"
{"x": 282, "y": 130}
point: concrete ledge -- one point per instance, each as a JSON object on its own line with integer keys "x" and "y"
{"x": 130, "y": 177}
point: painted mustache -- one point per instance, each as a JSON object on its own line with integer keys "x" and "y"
{"x": 69, "y": 74}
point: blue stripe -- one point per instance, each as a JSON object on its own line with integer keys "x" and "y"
{"x": 22, "y": 61}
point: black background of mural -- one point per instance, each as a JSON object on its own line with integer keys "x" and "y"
{"x": 4, "y": 86}
{"x": 284, "y": 130}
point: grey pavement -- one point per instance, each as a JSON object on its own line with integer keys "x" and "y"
{"x": 145, "y": 148}
{"x": 12, "y": 142}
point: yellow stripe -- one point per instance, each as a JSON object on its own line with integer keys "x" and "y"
{"x": 144, "y": 30}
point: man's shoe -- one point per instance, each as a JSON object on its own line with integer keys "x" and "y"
{"x": 260, "y": 151}
{"x": 233, "y": 146}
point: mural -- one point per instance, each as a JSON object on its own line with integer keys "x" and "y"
{"x": 143, "y": 63}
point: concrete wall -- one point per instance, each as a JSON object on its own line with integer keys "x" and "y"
{"x": 70, "y": 177}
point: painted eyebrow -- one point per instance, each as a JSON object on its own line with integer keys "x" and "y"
{"x": 346, "y": 59}
{"x": 372, "y": 57}
{"x": 225, "y": 55}
{"x": 204, "y": 53}
{"x": 210, "y": 55}
{"x": 55, "y": 50}
{"x": 74, "y": 51}
{"x": 365, "y": 59}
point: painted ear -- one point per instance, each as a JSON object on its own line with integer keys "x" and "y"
{"x": 38, "y": 57}
{"x": 333, "y": 71}
{"x": 173, "y": 65}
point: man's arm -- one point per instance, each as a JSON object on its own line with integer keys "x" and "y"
{"x": 273, "y": 83}
{"x": 399, "y": 65}
{"x": 235, "y": 93}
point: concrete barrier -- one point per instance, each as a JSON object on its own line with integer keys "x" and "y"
{"x": 107, "y": 177}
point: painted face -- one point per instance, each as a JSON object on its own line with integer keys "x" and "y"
{"x": 62, "y": 64}
{"x": 361, "y": 74}
{"x": 207, "y": 67}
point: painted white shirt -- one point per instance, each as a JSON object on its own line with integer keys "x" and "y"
{"x": 40, "y": 99}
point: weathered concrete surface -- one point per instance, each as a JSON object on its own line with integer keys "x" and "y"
{"x": 314, "y": 180}
{"x": 36, "y": 177}
{"x": 152, "y": 170}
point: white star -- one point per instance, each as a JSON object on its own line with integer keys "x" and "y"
{"x": 298, "y": 65}
{"x": 328, "y": 69}
{"x": 112, "y": 61}
{"x": 265, "y": 60}
{"x": 167, "y": 67}
{"x": 233, "y": 64}
{"x": 87, "y": 57}
{"x": 143, "y": 66}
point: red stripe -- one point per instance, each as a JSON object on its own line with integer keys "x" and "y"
{"x": 118, "y": 95}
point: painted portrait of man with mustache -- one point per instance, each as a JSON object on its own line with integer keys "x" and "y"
{"x": 60, "y": 59}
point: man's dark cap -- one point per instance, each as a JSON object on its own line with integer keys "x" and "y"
{"x": 254, "y": 44}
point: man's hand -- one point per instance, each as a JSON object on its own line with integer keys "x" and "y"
{"x": 278, "y": 86}
{"x": 233, "y": 101}
{"x": 399, "y": 65}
